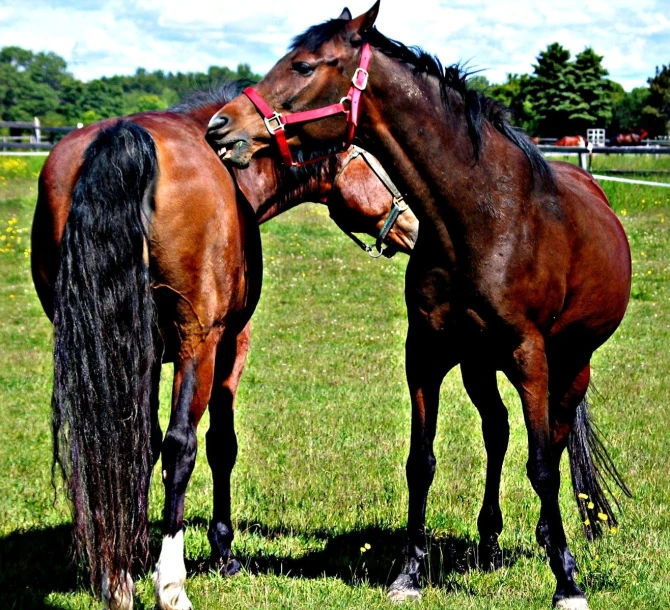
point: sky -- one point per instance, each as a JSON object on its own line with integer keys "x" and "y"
{"x": 107, "y": 37}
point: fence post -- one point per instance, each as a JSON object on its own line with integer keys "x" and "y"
{"x": 582, "y": 161}
{"x": 38, "y": 132}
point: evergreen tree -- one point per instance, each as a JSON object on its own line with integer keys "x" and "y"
{"x": 552, "y": 91}
{"x": 594, "y": 104}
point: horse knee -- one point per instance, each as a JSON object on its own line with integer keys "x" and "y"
{"x": 421, "y": 467}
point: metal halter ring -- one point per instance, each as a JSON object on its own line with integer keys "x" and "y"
{"x": 274, "y": 123}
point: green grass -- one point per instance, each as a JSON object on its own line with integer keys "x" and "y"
{"x": 323, "y": 426}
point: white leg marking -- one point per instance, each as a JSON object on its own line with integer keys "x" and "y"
{"x": 572, "y": 603}
{"x": 119, "y": 599}
{"x": 170, "y": 575}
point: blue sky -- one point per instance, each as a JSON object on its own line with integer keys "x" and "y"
{"x": 106, "y": 37}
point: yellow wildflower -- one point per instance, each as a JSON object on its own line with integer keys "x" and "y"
{"x": 582, "y": 496}
{"x": 602, "y": 516}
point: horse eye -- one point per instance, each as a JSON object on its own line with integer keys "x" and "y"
{"x": 302, "y": 68}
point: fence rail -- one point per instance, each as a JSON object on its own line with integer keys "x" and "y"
{"x": 608, "y": 150}
{"x": 27, "y": 145}
{"x": 32, "y": 126}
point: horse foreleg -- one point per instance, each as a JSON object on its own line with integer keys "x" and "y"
{"x": 191, "y": 391}
{"x": 482, "y": 388}
{"x": 530, "y": 377}
{"x": 425, "y": 372}
{"x": 222, "y": 445}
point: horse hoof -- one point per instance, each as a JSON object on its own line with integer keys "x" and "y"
{"x": 119, "y": 599}
{"x": 489, "y": 557}
{"x": 572, "y": 603}
{"x": 404, "y": 589}
{"x": 230, "y": 567}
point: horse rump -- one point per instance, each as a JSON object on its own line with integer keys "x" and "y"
{"x": 103, "y": 353}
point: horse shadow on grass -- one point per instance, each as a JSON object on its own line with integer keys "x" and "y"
{"x": 37, "y": 563}
{"x": 369, "y": 555}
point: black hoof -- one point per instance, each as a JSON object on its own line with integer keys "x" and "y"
{"x": 228, "y": 566}
{"x": 405, "y": 588}
{"x": 489, "y": 555}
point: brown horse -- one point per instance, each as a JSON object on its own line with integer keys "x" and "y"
{"x": 143, "y": 252}
{"x": 520, "y": 265}
{"x": 570, "y": 141}
{"x": 629, "y": 139}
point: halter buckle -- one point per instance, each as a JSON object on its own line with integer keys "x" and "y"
{"x": 354, "y": 79}
{"x": 274, "y": 123}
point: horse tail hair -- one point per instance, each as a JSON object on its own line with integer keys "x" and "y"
{"x": 593, "y": 474}
{"x": 103, "y": 353}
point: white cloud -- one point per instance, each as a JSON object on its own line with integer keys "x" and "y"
{"x": 500, "y": 36}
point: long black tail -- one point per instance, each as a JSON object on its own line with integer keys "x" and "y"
{"x": 593, "y": 473}
{"x": 103, "y": 352}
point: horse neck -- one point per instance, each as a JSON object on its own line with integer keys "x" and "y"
{"x": 427, "y": 148}
{"x": 283, "y": 197}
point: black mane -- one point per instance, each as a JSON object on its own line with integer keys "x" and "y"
{"x": 477, "y": 106}
{"x": 221, "y": 95}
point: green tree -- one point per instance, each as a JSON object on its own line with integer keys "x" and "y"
{"x": 627, "y": 107}
{"x": 656, "y": 112}
{"x": 594, "y": 106}
{"x": 515, "y": 94}
{"x": 552, "y": 91}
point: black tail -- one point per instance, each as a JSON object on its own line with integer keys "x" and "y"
{"x": 591, "y": 467}
{"x": 103, "y": 352}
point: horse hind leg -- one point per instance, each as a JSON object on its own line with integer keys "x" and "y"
{"x": 482, "y": 388}
{"x": 191, "y": 392}
{"x": 530, "y": 376}
{"x": 222, "y": 446}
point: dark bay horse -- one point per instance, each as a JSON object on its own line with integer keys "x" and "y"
{"x": 520, "y": 265}
{"x": 143, "y": 252}
{"x": 630, "y": 138}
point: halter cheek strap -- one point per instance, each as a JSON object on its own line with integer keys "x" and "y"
{"x": 275, "y": 122}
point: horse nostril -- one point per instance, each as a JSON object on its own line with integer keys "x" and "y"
{"x": 217, "y": 122}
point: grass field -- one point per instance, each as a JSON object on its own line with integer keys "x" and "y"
{"x": 323, "y": 425}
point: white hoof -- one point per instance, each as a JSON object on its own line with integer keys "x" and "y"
{"x": 572, "y": 603}
{"x": 399, "y": 597}
{"x": 119, "y": 599}
{"x": 404, "y": 589}
{"x": 170, "y": 575}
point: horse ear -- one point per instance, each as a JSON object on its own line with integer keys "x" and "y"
{"x": 346, "y": 14}
{"x": 359, "y": 27}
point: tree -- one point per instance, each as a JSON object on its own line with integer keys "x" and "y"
{"x": 38, "y": 84}
{"x": 627, "y": 107}
{"x": 567, "y": 96}
{"x": 515, "y": 94}
{"x": 656, "y": 112}
{"x": 479, "y": 83}
{"x": 593, "y": 89}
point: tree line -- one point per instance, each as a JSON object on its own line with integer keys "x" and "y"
{"x": 562, "y": 96}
